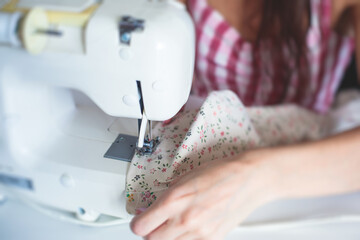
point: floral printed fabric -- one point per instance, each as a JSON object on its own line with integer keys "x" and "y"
{"x": 220, "y": 129}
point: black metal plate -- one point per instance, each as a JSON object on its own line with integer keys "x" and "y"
{"x": 123, "y": 148}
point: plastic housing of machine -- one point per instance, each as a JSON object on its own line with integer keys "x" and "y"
{"x": 61, "y": 109}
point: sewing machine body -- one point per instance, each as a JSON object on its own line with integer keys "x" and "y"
{"x": 62, "y": 109}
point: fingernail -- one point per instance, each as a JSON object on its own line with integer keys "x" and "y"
{"x": 140, "y": 210}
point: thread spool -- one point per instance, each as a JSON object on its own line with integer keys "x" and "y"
{"x": 35, "y": 20}
{"x": 9, "y": 23}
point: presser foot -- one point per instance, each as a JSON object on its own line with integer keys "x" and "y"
{"x": 149, "y": 146}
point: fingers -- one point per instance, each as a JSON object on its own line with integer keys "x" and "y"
{"x": 203, "y": 232}
{"x": 188, "y": 236}
{"x": 158, "y": 214}
{"x": 193, "y": 200}
{"x": 170, "y": 204}
{"x": 195, "y": 219}
{"x": 188, "y": 225}
{"x": 169, "y": 230}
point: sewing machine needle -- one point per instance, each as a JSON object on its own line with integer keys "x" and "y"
{"x": 150, "y": 130}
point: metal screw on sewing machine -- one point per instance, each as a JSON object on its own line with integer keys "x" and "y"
{"x": 120, "y": 139}
{"x": 81, "y": 211}
{"x": 125, "y": 37}
{"x": 88, "y": 215}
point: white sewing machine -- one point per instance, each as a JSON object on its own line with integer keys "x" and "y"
{"x": 73, "y": 76}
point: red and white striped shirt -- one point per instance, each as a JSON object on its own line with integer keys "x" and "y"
{"x": 226, "y": 61}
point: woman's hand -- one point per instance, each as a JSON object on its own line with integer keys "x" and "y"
{"x": 210, "y": 201}
{"x": 207, "y": 202}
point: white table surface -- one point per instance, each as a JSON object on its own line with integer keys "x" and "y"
{"x": 19, "y": 221}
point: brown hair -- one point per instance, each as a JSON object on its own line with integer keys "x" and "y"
{"x": 284, "y": 25}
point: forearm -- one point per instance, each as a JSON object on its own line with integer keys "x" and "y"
{"x": 326, "y": 167}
